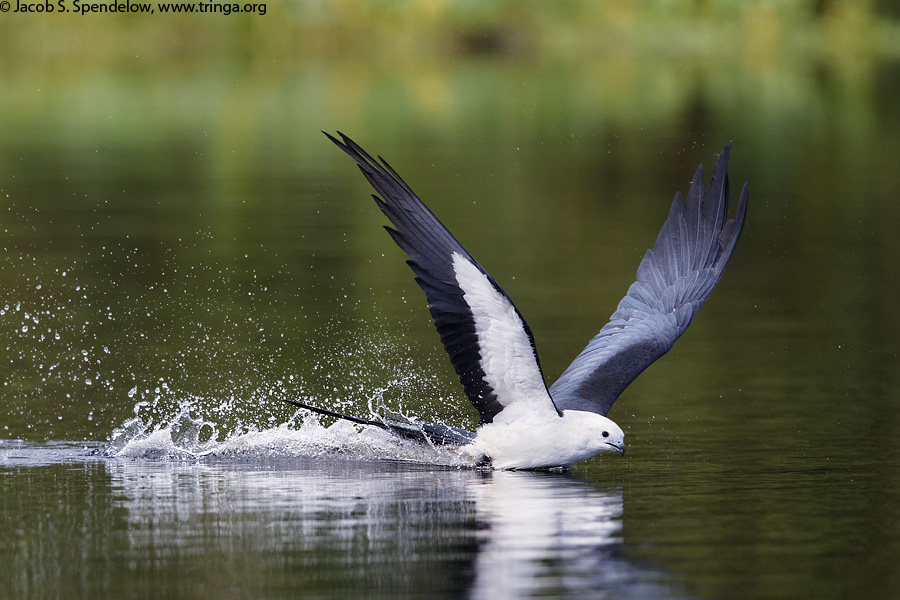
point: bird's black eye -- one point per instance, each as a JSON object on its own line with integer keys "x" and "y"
{"x": 605, "y": 434}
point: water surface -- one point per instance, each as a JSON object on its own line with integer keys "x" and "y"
{"x": 336, "y": 527}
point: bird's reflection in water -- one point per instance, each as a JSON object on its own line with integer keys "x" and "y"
{"x": 544, "y": 532}
{"x": 343, "y": 528}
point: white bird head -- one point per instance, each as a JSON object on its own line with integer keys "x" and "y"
{"x": 609, "y": 436}
{"x": 593, "y": 433}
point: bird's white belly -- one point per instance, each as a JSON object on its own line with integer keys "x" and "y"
{"x": 523, "y": 444}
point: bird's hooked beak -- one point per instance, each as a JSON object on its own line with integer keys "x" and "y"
{"x": 620, "y": 447}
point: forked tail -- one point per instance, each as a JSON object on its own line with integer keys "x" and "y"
{"x": 420, "y": 431}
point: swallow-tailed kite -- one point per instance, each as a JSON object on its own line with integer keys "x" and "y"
{"x": 524, "y": 424}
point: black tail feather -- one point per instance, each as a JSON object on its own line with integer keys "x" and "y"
{"x": 337, "y": 415}
{"x": 434, "y": 433}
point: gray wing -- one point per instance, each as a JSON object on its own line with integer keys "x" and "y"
{"x": 673, "y": 281}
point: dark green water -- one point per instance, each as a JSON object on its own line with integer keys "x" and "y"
{"x": 178, "y": 240}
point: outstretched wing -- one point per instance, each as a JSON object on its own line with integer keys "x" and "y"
{"x": 489, "y": 343}
{"x": 673, "y": 281}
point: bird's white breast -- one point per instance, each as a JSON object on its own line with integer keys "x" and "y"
{"x": 534, "y": 441}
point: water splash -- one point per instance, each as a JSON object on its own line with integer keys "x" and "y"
{"x": 191, "y": 433}
{"x": 203, "y": 346}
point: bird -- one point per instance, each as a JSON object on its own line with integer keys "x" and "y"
{"x": 523, "y": 424}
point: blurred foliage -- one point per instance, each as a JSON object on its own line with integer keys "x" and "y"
{"x": 398, "y": 64}
{"x": 409, "y": 31}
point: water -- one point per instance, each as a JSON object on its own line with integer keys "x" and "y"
{"x": 341, "y": 528}
{"x": 181, "y": 251}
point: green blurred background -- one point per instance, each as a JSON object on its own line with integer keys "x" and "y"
{"x": 173, "y": 169}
